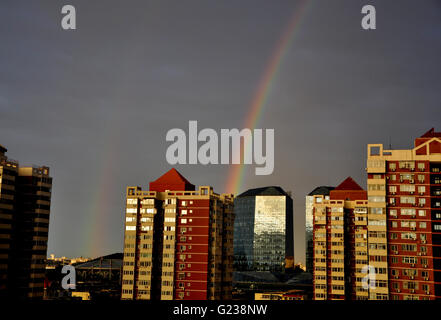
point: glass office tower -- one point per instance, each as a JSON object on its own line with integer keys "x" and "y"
{"x": 263, "y": 230}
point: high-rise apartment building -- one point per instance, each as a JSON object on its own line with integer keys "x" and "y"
{"x": 8, "y": 174}
{"x": 340, "y": 232}
{"x": 393, "y": 237}
{"x": 263, "y": 230}
{"x": 178, "y": 241}
{"x": 309, "y": 225}
{"x": 404, "y": 189}
{"x": 25, "y": 198}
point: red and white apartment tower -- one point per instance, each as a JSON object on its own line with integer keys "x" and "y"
{"x": 406, "y": 186}
{"x": 178, "y": 241}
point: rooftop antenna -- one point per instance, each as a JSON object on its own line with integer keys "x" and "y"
{"x": 390, "y": 143}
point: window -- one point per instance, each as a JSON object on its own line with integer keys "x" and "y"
{"x": 408, "y": 212}
{"x": 407, "y": 188}
{"x": 374, "y": 211}
{"x": 407, "y": 165}
{"x": 376, "y": 199}
{"x": 408, "y": 236}
{"x": 411, "y": 260}
{"x": 410, "y": 200}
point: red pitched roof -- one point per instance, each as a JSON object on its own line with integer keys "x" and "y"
{"x": 431, "y": 134}
{"x": 349, "y": 184}
{"x": 348, "y": 190}
{"x": 171, "y": 180}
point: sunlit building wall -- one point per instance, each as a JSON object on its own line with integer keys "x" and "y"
{"x": 309, "y": 203}
{"x": 178, "y": 242}
{"x": 340, "y": 243}
{"x": 404, "y": 190}
{"x": 263, "y": 230}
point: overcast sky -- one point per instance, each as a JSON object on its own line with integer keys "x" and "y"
{"x": 95, "y": 104}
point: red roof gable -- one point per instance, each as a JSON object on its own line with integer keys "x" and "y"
{"x": 171, "y": 180}
{"x": 348, "y": 184}
{"x": 427, "y": 136}
{"x": 431, "y": 134}
{"x": 348, "y": 190}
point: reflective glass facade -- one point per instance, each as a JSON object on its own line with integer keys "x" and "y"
{"x": 263, "y": 230}
{"x": 269, "y": 233}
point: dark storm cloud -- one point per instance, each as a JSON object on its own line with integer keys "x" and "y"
{"x": 95, "y": 104}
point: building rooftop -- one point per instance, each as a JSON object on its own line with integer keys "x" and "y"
{"x": 264, "y": 191}
{"x": 349, "y": 184}
{"x": 3, "y": 149}
{"x": 171, "y": 180}
{"x": 348, "y": 190}
{"x": 431, "y": 134}
{"x": 111, "y": 261}
{"x": 322, "y": 190}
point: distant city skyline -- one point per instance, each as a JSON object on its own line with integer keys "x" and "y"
{"x": 95, "y": 104}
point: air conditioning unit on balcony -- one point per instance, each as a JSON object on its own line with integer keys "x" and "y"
{"x": 412, "y": 181}
{"x": 411, "y": 192}
{"x": 425, "y": 266}
{"x": 423, "y": 241}
{"x": 411, "y": 277}
{"x": 398, "y": 290}
{"x": 412, "y": 169}
{"x": 426, "y": 278}
{"x": 396, "y": 277}
{"x": 413, "y": 265}
{"x": 412, "y": 290}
